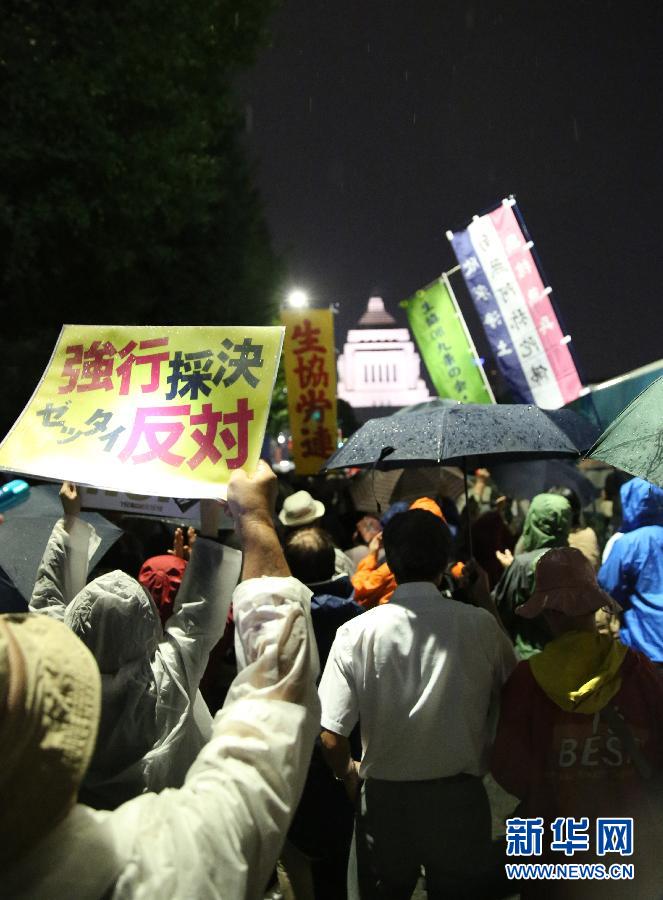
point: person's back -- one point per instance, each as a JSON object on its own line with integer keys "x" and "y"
{"x": 421, "y": 675}
{"x": 311, "y": 557}
{"x": 318, "y": 844}
{"x": 153, "y": 720}
{"x": 374, "y": 582}
{"x": 547, "y": 524}
{"x": 422, "y": 658}
{"x": 580, "y": 731}
{"x": 633, "y": 572}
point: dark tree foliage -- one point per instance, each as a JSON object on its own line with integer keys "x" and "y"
{"x": 125, "y": 191}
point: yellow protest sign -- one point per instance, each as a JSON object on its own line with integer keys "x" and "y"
{"x": 310, "y": 373}
{"x": 161, "y": 410}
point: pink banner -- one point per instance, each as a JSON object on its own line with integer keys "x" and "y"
{"x": 534, "y": 293}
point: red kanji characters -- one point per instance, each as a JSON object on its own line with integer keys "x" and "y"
{"x": 317, "y": 443}
{"x": 311, "y": 372}
{"x": 97, "y": 367}
{"x": 241, "y": 418}
{"x": 152, "y": 359}
{"x": 158, "y": 449}
{"x": 313, "y": 404}
{"x": 161, "y": 448}
{"x": 205, "y": 439}
{"x": 308, "y": 338}
{"x": 70, "y": 369}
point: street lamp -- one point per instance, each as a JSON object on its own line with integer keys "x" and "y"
{"x": 297, "y": 299}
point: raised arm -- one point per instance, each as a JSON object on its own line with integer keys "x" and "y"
{"x": 231, "y": 817}
{"x": 251, "y": 501}
{"x": 203, "y": 600}
{"x": 63, "y": 569}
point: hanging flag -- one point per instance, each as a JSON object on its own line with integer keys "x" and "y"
{"x": 445, "y": 344}
{"x": 309, "y": 359}
{"x": 515, "y": 309}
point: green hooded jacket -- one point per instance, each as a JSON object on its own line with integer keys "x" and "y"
{"x": 548, "y": 524}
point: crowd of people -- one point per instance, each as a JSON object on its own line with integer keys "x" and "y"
{"x": 310, "y": 703}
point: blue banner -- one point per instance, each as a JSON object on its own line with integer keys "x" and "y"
{"x": 491, "y": 317}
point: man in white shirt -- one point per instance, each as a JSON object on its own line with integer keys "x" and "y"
{"x": 422, "y": 674}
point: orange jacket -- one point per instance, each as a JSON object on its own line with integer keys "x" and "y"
{"x": 373, "y": 583}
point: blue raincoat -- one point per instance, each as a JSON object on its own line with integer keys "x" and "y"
{"x": 633, "y": 573}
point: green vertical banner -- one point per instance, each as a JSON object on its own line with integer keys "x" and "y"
{"x": 445, "y": 344}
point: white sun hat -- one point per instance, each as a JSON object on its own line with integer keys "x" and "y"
{"x": 301, "y": 509}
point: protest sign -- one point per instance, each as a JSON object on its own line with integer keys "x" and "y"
{"x": 184, "y": 511}
{"x": 310, "y": 370}
{"x": 445, "y": 344}
{"x": 157, "y": 410}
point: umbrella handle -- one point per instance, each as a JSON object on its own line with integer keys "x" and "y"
{"x": 383, "y": 454}
{"x": 467, "y": 508}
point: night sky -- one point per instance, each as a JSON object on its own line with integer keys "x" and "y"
{"x": 376, "y": 126}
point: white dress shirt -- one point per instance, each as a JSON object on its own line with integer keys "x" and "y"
{"x": 422, "y": 674}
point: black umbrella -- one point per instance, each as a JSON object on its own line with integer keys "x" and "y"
{"x": 524, "y": 480}
{"x": 468, "y": 435}
{"x": 26, "y": 530}
{"x": 582, "y": 432}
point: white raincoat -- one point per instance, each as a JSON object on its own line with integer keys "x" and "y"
{"x": 218, "y": 836}
{"x": 154, "y": 720}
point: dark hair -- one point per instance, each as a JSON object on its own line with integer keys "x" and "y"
{"x": 573, "y": 500}
{"x": 417, "y": 544}
{"x": 310, "y": 555}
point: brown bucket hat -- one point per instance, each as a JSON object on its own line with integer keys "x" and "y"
{"x": 566, "y": 583}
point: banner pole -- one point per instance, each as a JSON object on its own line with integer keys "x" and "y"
{"x": 405, "y": 303}
{"x": 466, "y": 330}
{"x": 555, "y": 306}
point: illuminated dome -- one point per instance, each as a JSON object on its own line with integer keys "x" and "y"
{"x": 379, "y": 365}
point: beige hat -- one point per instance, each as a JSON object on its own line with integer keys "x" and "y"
{"x": 565, "y": 582}
{"x": 50, "y": 697}
{"x": 301, "y": 509}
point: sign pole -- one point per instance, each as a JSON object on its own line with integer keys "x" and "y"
{"x": 466, "y": 330}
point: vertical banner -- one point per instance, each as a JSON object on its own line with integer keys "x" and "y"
{"x": 309, "y": 359}
{"x": 445, "y": 344}
{"x": 158, "y": 410}
{"x": 515, "y": 309}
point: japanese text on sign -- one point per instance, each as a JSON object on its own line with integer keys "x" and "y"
{"x": 166, "y": 411}
{"x": 310, "y": 368}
